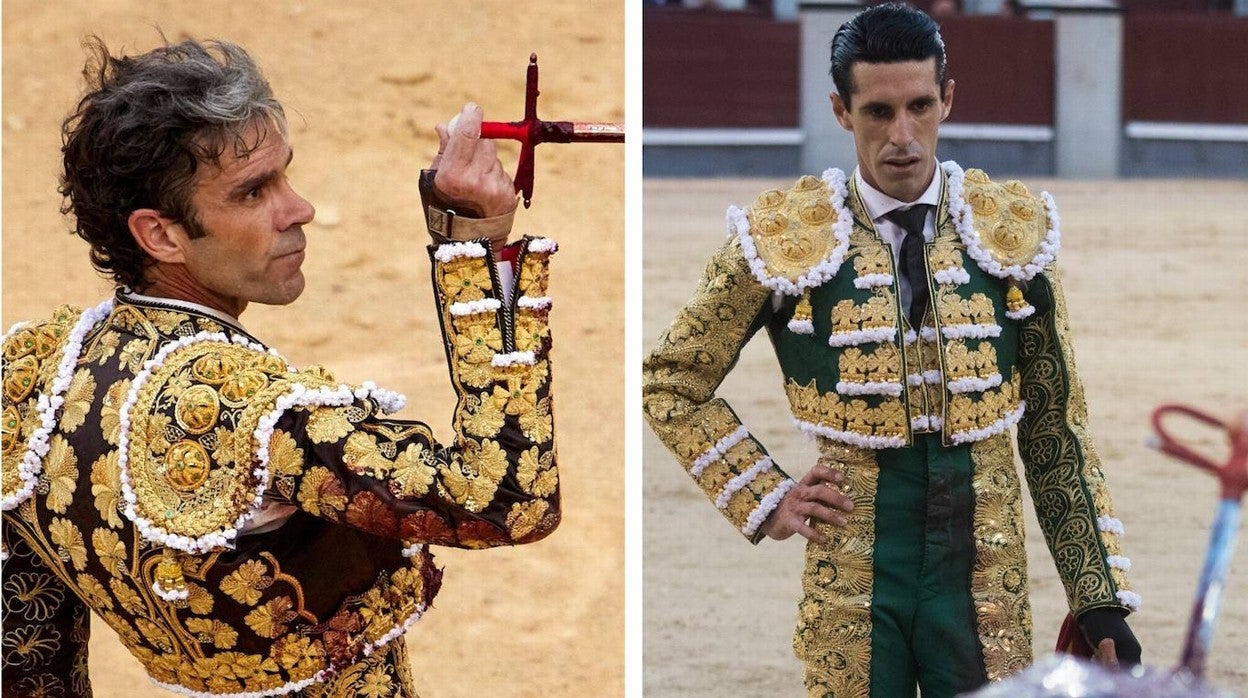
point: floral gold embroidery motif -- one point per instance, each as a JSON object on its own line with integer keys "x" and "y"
{"x": 187, "y": 466}
{"x": 197, "y": 409}
{"x": 999, "y": 578}
{"x": 833, "y": 634}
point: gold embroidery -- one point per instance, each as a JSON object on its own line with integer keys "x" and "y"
{"x": 999, "y": 579}
{"x": 881, "y": 365}
{"x": 186, "y": 466}
{"x": 241, "y": 387}
{"x": 1062, "y": 466}
{"x": 833, "y": 634}
{"x": 244, "y": 584}
{"x": 109, "y": 548}
{"x": 327, "y": 424}
{"x": 793, "y": 231}
{"x": 872, "y": 259}
{"x": 886, "y": 419}
{"x": 106, "y": 488}
{"x": 60, "y": 473}
{"x": 19, "y": 378}
{"x": 524, "y": 517}
{"x": 197, "y": 409}
{"x": 413, "y": 471}
{"x": 70, "y": 546}
{"x": 1007, "y": 217}
{"x": 78, "y": 400}
{"x": 963, "y": 362}
{"x": 945, "y": 253}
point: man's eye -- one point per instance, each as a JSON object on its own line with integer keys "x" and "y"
{"x": 922, "y": 107}
{"x": 253, "y": 193}
{"x": 879, "y": 113}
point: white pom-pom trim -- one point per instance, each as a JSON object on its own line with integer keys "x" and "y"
{"x": 543, "y": 246}
{"x": 534, "y": 302}
{"x": 963, "y": 218}
{"x": 931, "y": 377}
{"x": 854, "y": 337}
{"x": 849, "y": 437}
{"x": 170, "y": 595}
{"x": 482, "y": 305}
{"x": 457, "y": 250}
{"x": 1119, "y": 562}
{"x": 413, "y": 550}
{"x": 929, "y": 422}
{"x": 515, "y": 358}
{"x": 1109, "y": 524}
{"x": 49, "y": 403}
{"x": 1022, "y": 313}
{"x": 953, "y": 276}
{"x": 801, "y": 326}
{"x": 971, "y": 330}
{"x": 765, "y": 506}
{"x": 971, "y": 435}
{"x": 735, "y": 485}
{"x": 718, "y": 450}
{"x": 873, "y": 280}
{"x": 739, "y": 225}
{"x": 1130, "y": 599}
{"x": 869, "y": 388}
{"x": 974, "y": 384}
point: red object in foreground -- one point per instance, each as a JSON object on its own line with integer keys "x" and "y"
{"x": 1233, "y": 474}
{"x": 532, "y": 131}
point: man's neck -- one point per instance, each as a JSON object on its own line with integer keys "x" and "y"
{"x": 174, "y": 281}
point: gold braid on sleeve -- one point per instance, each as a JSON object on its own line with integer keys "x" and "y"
{"x": 679, "y": 379}
{"x": 1062, "y": 467}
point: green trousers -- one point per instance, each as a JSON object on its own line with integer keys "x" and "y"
{"x": 888, "y": 607}
{"x": 924, "y": 631}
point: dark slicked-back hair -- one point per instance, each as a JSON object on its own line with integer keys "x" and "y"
{"x": 889, "y": 33}
{"x": 145, "y": 126}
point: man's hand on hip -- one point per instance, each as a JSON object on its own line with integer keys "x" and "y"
{"x": 815, "y": 498}
{"x": 469, "y": 172}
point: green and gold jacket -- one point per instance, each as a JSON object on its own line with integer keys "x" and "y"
{"x": 994, "y": 351}
{"x": 140, "y": 440}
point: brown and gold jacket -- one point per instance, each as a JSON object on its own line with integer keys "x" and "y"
{"x": 144, "y": 443}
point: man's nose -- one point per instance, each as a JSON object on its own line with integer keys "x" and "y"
{"x": 901, "y": 131}
{"x": 297, "y": 210}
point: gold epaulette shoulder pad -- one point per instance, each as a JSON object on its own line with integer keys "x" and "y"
{"x": 790, "y": 233}
{"x": 1015, "y": 227}
{"x": 198, "y": 444}
{"x": 29, "y": 346}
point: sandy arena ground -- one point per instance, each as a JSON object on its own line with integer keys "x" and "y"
{"x": 363, "y": 84}
{"x": 1155, "y": 277}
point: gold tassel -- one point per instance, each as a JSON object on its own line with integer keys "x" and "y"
{"x": 1014, "y": 300}
{"x": 803, "y": 312}
{"x": 170, "y": 584}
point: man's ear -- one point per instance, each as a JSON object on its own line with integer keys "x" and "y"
{"x": 159, "y": 236}
{"x": 841, "y": 111}
{"x": 946, "y": 100}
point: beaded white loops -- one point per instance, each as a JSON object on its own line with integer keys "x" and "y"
{"x": 49, "y": 403}
{"x": 739, "y": 225}
{"x": 962, "y": 217}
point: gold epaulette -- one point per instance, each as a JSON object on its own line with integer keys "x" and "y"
{"x": 1016, "y": 228}
{"x": 789, "y": 237}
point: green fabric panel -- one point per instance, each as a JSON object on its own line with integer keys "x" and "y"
{"x": 924, "y": 630}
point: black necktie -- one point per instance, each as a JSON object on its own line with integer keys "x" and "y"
{"x": 912, "y": 265}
